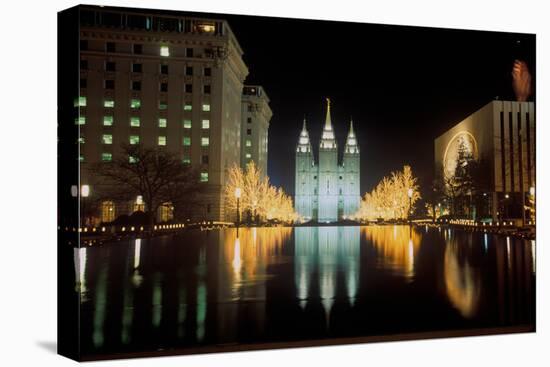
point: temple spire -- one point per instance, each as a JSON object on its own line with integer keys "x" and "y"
{"x": 351, "y": 141}
{"x": 304, "y": 145}
{"x": 328, "y": 140}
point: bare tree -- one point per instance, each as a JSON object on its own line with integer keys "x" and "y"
{"x": 154, "y": 173}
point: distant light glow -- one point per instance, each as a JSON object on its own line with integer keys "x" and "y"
{"x": 164, "y": 51}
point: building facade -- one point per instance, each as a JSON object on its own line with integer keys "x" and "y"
{"x": 501, "y": 135}
{"x": 256, "y": 115}
{"x": 166, "y": 81}
{"x": 327, "y": 191}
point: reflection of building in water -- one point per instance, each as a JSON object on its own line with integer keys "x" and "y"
{"x": 397, "y": 247}
{"x": 80, "y": 260}
{"x": 515, "y": 281}
{"x": 335, "y": 250}
{"x": 245, "y": 255}
{"x": 462, "y": 281}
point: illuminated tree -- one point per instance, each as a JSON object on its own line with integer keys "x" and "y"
{"x": 390, "y": 199}
{"x": 260, "y": 200}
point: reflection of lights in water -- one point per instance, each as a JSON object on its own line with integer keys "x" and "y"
{"x": 182, "y": 312}
{"x": 80, "y": 260}
{"x": 486, "y": 242}
{"x": 254, "y": 234}
{"x": 237, "y": 262}
{"x": 395, "y": 248}
{"x": 137, "y": 279}
{"x": 508, "y": 252}
{"x": 100, "y": 307}
{"x": 533, "y": 255}
{"x": 157, "y": 300}
{"x": 426, "y": 229}
{"x": 137, "y": 252}
{"x": 127, "y": 314}
{"x": 410, "y": 258}
{"x": 201, "y": 310}
{"x": 352, "y": 276}
{"x": 328, "y": 252}
{"x": 462, "y": 282}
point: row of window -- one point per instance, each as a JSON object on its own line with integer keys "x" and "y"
{"x": 137, "y": 49}
{"x": 138, "y": 68}
{"x": 108, "y": 157}
{"x": 135, "y": 103}
{"x": 107, "y": 139}
{"x": 136, "y": 122}
{"x": 136, "y": 86}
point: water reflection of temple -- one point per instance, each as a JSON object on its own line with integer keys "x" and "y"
{"x": 321, "y": 253}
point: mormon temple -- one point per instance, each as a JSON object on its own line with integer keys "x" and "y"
{"x": 327, "y": 191}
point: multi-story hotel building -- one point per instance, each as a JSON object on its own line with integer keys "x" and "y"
{"x": 256, "y": 115}
{"x": 168, "y": 81}
{"x": 501, "y": 134}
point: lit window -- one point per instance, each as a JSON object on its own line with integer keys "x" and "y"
{"x": 186, "y": 141}
{"x": 206, "y": 124}
{"x": 107, "y": 211}
{"x": 164, "y": 51}
{"x": 186, "y": 124}
{"x": 187, "y": 107}
{"x": 205, "y": 141}
{"x": 134, "y": 139}
{"x": 106, "y": 157}
{"x": 206, "y": 107}
{"x": 132, "y": 159}
{"x": 135, "y": 103}
{"x": 162, "y": 122}
{"x": 81, "y": 158}
{"x": 134, "y": 121}
{"x": 162, "y": 140}
{"x": 248, "y": 143}
{"x": 107, "y": 139}
{"x": 163, "y": 106}
{"x": 248, "y": 155}
{"x": 81, "y": 140}
{"x": 204, "y": 176}
{"x": 205, "y": 27}
{"x": 80, "y": 102}
{"x": 81, "y": 120}
{"x": 186, "y": 159}
{"x": 107, "y": 120}
{"x": 109, "y": 103}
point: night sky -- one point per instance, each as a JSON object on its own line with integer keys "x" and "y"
{"x": 403, "y": 86}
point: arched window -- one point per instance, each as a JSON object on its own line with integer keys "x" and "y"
{"x": 107, "y": 211}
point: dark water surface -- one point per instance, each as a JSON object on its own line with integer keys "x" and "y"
{"x": 290, "y": 284}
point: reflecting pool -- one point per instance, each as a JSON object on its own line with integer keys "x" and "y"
{"x": 258, "y": 285}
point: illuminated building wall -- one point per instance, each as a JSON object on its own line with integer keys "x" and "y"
{"x": 166, "y": 81}
{"x": 254, "y": 128}
{"x": 502, "y": 133}
{"x": 327, "y": 191}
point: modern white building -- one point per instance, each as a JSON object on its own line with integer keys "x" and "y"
{"x": 327, "y": 191}
{"x": 501, "y": 134}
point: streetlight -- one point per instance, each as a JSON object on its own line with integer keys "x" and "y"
{"x": 238, "y": 197}
{"x": 410, "y": 194}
